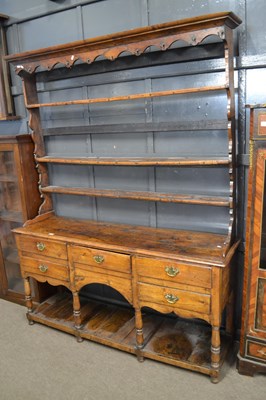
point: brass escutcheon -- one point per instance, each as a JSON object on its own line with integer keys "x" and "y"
{"x": 40, "y": 246}
{"x": 98, "y": 259}
{"x": 171, "y": 271}
{"x": 170, "y": 298}
{"x": 43, "y": 268}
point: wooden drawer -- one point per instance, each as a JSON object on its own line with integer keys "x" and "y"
{"x": 200, "y": 303}
{"x": 44, "y": 268}
{"x": 170, "y": 270}
{"x": 256, "y": 350}
{"x": 101, "y": 258}
{"x": 48, "y": 248}
{"x": 84, "y": 276}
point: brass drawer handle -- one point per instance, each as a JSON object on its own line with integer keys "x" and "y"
{"x": 40, "y": 246}
{"x": 98, "y": 259}
{"x": 171, "y": 271}
{"x": 170, "y": 298}
{"x": 43, "y": 268}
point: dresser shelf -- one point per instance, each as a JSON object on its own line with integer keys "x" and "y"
{"x": 150, "y": 196}
{"x": 129, "y": 97}
{"x": 141, "y": 161}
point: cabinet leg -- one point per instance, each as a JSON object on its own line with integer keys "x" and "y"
{"x": 139, "y": 334}
{"x": 215, "y": 354}
{"x": 28, "y": 299}
{"x": 77, "y": 315}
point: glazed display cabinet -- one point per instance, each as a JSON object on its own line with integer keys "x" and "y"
{"x": 252, "y": 355}
{"x": 19, "y": 201}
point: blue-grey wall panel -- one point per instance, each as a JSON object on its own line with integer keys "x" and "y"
{"x": 193, "y": 106}
{"x": 117, "y": 112}
{"x": 256, "y": 27}
{"x": 74, "y": 206}
{"x": 69, "y": 176}
{"x": 130, "y": 212}
{"x": 111, "y": 16}
{"x": 190, "y": 143}
{"x": 69, "y": 145}
{"x": 62, "y": 116}
{"x": 121, "y": 178}
{"x": 21, "y": 9}
{"x": 169, "y": 10}
{"x": 186, "y": 216}
{"x": 13, "y": 128}
{"x": 134, "y": 144}
{"x": 50, "y": 30}
{"x": 208, "y": 181}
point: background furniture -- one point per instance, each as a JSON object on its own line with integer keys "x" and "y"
{"x": 185, "y": 272}
{"x": 6, "y": 100}
{"x": 252, "y": 354}
{"x": 19, "y": 201}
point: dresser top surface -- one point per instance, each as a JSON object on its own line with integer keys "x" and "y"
{"x": 190, "y": 246}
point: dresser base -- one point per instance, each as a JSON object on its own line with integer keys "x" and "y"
{"x": 175, "y": 341}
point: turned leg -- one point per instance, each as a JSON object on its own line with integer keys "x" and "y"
{"x": 215, "y": 354}
{"x": 77, "y": 315}
{"x": 28, "y": 299}
{"x": 139, "y": 334}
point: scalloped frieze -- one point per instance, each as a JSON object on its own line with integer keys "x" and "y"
{"x": 51, "y": 281}
{"x": 177, "y": 311}
{"x": 80, "y": 282}
{"x": 89, "y": 55}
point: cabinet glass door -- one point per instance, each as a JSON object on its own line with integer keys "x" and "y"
{"x": 10, "y": 217}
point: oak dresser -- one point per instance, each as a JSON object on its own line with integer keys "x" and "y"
{"x": 177, "y": 282}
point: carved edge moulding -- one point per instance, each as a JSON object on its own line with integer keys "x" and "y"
{"x": 65, "y": 248}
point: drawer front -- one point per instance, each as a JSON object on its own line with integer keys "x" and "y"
{"x": 101, "y": 259}
{"x": 199, "y": 303}
{"x": 83, "y": 276}
{"x": 47, "y": 248}
{"x": 169, "y": 270}
{"x": 256, "y": 350}
{"x": 44, "y": 268}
